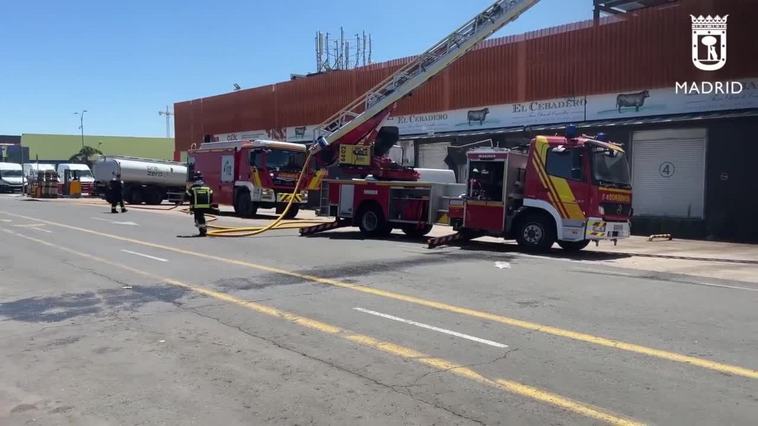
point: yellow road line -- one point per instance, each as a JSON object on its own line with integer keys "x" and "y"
{"x": 364, "y": 340}
{"x": 574, "y": 335}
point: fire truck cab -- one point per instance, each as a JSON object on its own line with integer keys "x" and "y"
{"x": 565, "y": 190}
{"x": 252, "y": 174}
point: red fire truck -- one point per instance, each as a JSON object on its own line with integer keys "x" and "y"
{"x": 249, "y": 174}
{"x": 570, "y": 190}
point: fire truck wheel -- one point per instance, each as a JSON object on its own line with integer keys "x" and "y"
{"x": 371, "y": 222}
{"x": 243, "y": 205}
{"x": 573, "y": 246}
{"x": 292, "y": 212}
{"x": 416, "y": 231}
{"x": 536, "y": 233}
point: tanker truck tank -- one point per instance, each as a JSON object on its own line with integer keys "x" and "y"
{"x": 145, "y": 180}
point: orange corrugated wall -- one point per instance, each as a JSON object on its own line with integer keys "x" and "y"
{"x": 646, "y": 49}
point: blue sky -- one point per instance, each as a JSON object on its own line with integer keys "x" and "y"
{"x": 123, "y": 61}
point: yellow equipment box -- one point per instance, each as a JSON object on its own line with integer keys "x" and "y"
{"x": 355, "y": 155}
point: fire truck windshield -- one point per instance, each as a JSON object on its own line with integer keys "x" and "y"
{"x": 610, "y": 167}
{"x": 277, "y": 159}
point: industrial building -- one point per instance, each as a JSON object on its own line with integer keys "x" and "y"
{"x": 621, "y": 74}
{"x": 60, "y": 148}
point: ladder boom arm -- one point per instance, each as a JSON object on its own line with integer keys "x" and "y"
{"x": 425, "y": 66}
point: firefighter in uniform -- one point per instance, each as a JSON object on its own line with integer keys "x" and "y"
{"x": 200, "y": 198}
{"x": 117, "y": 193}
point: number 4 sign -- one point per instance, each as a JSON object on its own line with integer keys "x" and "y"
{"x": 667, "y": 169}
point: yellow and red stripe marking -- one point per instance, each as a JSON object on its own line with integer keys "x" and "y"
{"x": 559, "y": 191}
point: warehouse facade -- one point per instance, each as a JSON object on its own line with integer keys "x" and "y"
{"x": 52, "y": 148}
{"x": 689, "y": 152}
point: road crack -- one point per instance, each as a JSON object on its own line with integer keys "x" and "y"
{"x": 393, "y": 388}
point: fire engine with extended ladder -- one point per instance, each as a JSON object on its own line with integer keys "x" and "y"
{"x": 567, "y": 189}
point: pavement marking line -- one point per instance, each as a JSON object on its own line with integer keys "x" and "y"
{"x": 688, "y": 282}
{"x": 433, "y": 328}
{"x": 440, "y": 364}
{"x": 555, "y": 331}
{"x": 136, "y": 253}
{"x": 115, "y": 222}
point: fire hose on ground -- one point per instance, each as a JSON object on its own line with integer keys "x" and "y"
{"x": 249, "y": 231}
{"x": 278, "y": 223}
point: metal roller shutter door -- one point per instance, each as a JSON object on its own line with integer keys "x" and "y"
{"x": 432, "y": 155}
{"x": 668, "y": 172}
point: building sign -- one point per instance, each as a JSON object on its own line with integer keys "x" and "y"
{"x": 630, "y": 104}
{"x": 243, "y": 135}
{"x": 645, "y": 103}
{"x": 300, "y": 133}
{"x": 493, "y": 116}
{"x": 610, "y": 106}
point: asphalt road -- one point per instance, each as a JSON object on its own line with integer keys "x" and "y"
{"x": 113, "y": 319}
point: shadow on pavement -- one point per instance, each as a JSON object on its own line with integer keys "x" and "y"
{"x": 482, "y": 246}
{"x": 557, "y": 253}
{"x": 66, "y": 306}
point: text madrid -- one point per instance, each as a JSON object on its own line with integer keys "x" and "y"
{"x": 709, "y": 88}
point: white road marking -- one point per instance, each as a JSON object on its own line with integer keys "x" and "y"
{"x": 115, "y": 222}
{"x": 6, "y": 220}
{"x": 160, "y": 259}
{"x": 433, "y": 328}
{"x": 34, "y": 227}
{"x": 502, "y": 265}
{"x": 734, "y": 287}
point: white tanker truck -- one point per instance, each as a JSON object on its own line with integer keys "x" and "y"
{"x": 145, "y": 180}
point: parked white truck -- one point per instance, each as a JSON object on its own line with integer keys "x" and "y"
{"x": 11, "y": 177}
{"x": 145, "y": 180}
{"x": 31, "y": 169}
{"x": 68, "y": 171}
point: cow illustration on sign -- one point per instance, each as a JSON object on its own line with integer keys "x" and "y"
{"x": 709, "y": 42}
{"x": 478, "y": 115}
{"x": 631, "y": 100}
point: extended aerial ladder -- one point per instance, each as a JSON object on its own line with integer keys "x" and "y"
{"x": 360, "y": 119}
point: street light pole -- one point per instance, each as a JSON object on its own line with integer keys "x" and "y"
{"x": 81, "y": 123}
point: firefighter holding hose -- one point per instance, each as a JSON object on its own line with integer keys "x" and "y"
{"x": 200, "y": 197}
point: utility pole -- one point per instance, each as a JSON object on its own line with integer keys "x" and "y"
{"x": 168, "y": 115}
{"x": 81, "y": 123}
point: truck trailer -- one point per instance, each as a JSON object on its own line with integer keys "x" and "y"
{"x": 145, "y": 180}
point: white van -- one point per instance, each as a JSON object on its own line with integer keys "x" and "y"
{"x": 67, "y": 171}
{"x": 31, "y": 169}
{"x": 11, "y": 177}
